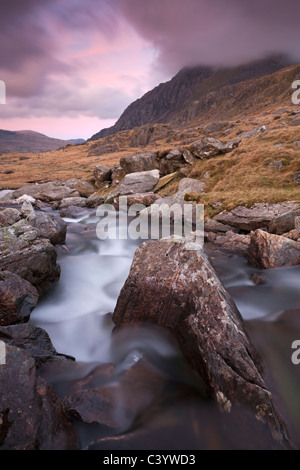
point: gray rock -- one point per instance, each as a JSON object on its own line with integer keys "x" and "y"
{"x": 258, "y": 216}
{"x": 139, "y": 162}
{"x": 95, "y": 200}
{"x": 189, "y": 185}
{"x": 72, "y": 212}
{"x": 54, "y": 191}
{"x": 84, "y": 188}
{"x": 102, "y": 173}
{"x": 254, "y": 132}
{"x": 276, "y": 165}
{"x": 73, "y": 201}
{"x": 211, "y": 225}
{"x": 9, "y": 216}
{"x": 209, "y": 147}
{"x": 141, "y": 182}
{"x": 49, "y": 226}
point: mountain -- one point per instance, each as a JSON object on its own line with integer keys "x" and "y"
{"x": 167, "y": 102}
{"x": 30, "y": 141}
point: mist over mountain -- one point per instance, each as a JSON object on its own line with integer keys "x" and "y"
{"x": 166, "y": 102}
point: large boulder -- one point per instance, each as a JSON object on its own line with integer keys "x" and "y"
{"x": 272, "y": 251}
{"x": 73, "y": 201}
{"x": 24, "y": 253}
{"x": 172, "y": 284}
{"x": 17, "y": 298}
{"x": 84, "y": 188}
{"x": 140, "y": 182}
{"x": 47, "y": 192}
{"x": 145, "y": 161}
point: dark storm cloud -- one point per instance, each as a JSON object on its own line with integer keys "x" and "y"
{"x": 216, "y": 32}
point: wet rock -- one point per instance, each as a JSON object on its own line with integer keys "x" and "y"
{"x": 172, "y": 284}
{"x": 145, "y": 161}
{"x": 35, "y": 341}
{"x": 31, "y": 416}
{"x": 141, "y": 182}
{"x": 84, "y": 188}
{"x": 272, "y": 251}
{"x": 73, "y": 201}
{"x": 102, "y": 173}
{"x": 50, "y": 226}
{"x": 25, "y": 254}
{"x": 46, "y": 192}
{"x": 128, "y": 396}
{"x": 17, "y": 298}
{"x": 258, "y": 216}
{"x": 9, "y": 216}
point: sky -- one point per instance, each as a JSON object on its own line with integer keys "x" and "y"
{"x": 71, "y": 67}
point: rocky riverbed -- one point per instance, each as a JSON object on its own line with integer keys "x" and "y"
{"x": 176, "y": 357}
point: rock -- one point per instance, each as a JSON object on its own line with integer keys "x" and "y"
{"x": 6, "y": 195}
{"x": 27, "y": 210}
{"x": 285, "y": 222}
{"x": 73, "y": 201}
{"x": 35, "y": 341}
{"x": 17, "y": 298}
{"x": 188, "y": 156}
{"x": 139, "y": 162}
{"x": 258, "y": 216}
{"x": 95, "y": 200}
{"x": 146, "y": 199}
{"x": 117, "y": 174}
{"x": 9, "y": 216}
{"x": 254, "y": 132}
{"x": 297, "y": 143}
{"x": 272, "y": 251}
{"x": 25, "y": 198}
{"x": 191, "y": 185}
{"x": 102, "y": 173}
{"x": 211, "y": 225}
{"x": 296, "y": 177}
{"x": 276, "y": 165}
{"x": 209, "y": 147}
{"x": 72, "y": 212}
{"x": 295, "y": 121}
{"x": 173, "y": 285}
{"x": 141, "y": 182}
{"x": 32, "y": 416}
{"x": 132, "y": 393}
{"x": 84, "y": 188}
{"x": 231, "y": 242}
{"x": 25, "y": 254}
{"x": 206, "y": 175}
{"x": 50, "y": 226}
{"x": 292, "y": 234}
{"x": 46, "y": 192}
{"x": 164, "y": 181}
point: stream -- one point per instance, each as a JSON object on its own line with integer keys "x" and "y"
{"x": 76, "y": 313}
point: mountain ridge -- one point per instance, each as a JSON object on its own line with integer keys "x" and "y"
{"x": 164, "y": 102}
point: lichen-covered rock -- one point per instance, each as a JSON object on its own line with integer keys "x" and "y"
{"x": 172, "y": 284}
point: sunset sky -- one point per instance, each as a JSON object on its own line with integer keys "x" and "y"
{"x": 71, "y": 67}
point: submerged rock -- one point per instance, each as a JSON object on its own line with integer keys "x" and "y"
{"x": 171, "y": 283}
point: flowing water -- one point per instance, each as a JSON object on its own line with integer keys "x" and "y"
{"x": 77, "y": 315}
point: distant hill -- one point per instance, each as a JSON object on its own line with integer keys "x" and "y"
{"x": 190, "y": 90}
{"x": 30, "y": 142}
